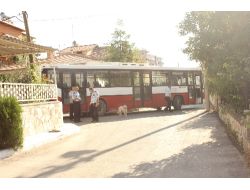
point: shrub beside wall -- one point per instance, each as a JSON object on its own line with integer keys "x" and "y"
{"x": 11, "y": 131}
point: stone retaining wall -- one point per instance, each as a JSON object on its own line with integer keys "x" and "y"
{"x": 41, "y": 117}
{"x": 214, "y": 102}
{"x": 238, "y": 129}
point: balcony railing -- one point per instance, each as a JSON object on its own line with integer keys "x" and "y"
{"x": 29, "y": 92}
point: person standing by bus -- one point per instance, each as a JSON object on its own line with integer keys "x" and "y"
{"x": 76, "y": 104}
{"x": 71, "y": 105}
{"x": 168, "y": 98}
{"x": 94, "y": 103}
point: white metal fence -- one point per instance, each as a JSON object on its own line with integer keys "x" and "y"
{"x": 29, "y": 92}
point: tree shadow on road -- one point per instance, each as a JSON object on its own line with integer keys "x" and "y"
{"x": 81, "y": 157}
{"x": 213, "y": 159}
{"x": 197, "y": 161}
{"x": 77, "y": 154}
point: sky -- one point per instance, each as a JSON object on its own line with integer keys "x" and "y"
{"x": 152, "y": 24}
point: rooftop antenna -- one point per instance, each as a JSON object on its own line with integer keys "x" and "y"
{"x": 3, "y": 16}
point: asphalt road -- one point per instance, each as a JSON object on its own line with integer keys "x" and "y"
{"x": 187, "y": 143}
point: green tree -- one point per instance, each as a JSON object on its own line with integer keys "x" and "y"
{"x": 220, "y": 42}
{"x": 120, "y": 49}
{"x": 139, "y": 56}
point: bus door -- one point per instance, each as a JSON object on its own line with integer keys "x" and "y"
{"x": 198, "y": 87}
{"x": 191, "y": 89}
{"x": 70, "y": 79}
{"x": 146, "y": 89}
{"x": 136, "y": 89}
{"x": 79, "y": 79}
{"x": 66, "y": 78}
{"x": 142, "y": 88}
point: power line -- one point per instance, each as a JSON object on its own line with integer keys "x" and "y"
{"x": 18, "y": 19}
{"x": 51, "y": 19}
{"x": 66, "y": 18}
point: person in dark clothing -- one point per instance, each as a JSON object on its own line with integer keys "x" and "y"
{"x": 168, "y": 98}
{"x": 94, "y": 103}
{"x": 76, "y": 105}
{"x": 71, "y": 105}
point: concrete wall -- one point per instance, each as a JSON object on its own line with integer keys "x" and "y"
{"x": 41, "y": 117}
{"x": 238, "y": 128}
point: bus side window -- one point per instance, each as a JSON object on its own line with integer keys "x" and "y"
{"x": 79, "y": 79}
{"x": 190, "y": 79}
{"x": 66, "y": 80}
{"x": 168, "y": 79}
{"x": 178, "y": 79}
{"x": 97, "y": 84}
{"x": 197, "y": 80}
{"x": 159, "y": 78}
{"x": 120, "y": 78}
{"x": 90, "y": 79}
{"x": 102, "y": 79}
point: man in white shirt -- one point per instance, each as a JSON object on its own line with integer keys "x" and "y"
{"x": 94, "y": 103}
{"x": 168, "y": 98}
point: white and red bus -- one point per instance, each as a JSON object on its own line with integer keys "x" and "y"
{"x": 127, "y": 84}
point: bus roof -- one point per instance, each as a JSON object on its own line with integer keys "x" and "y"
{"x": 112, "y": 66}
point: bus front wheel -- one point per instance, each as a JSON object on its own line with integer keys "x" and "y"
{"x": 102, "y": 109}
{"x": 177, "y": 103}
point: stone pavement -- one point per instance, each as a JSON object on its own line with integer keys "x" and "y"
{"x": 34, "y": 141}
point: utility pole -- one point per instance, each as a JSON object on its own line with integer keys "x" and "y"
{"x": 27, "y": 32}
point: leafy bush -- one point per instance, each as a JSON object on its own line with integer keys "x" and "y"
{"x": 30, "y": 75}
{"x": 11, "y": 131}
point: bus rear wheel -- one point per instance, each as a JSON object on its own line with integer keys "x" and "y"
{"x": 177, "y": 103}
{"x": 102, "y": 109}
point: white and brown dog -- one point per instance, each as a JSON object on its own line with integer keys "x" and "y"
{"x": 122, "y": 110}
